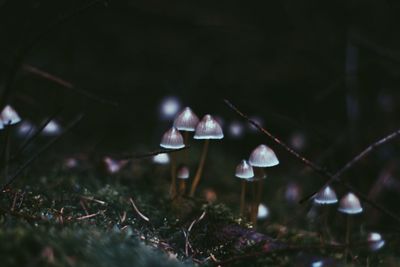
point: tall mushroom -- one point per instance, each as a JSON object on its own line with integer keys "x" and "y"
{"x": 172, "y": 139}
{"x": 261, "y": 157}
{"x": 8, "y": 117}
{"x": 349, "y": 205}
{"x": 244, "y": 171}
{"x": 326, "y": 197}
{"x": 208, "y": 128}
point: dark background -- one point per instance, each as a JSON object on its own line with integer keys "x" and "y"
{"x": 328, "y": 70}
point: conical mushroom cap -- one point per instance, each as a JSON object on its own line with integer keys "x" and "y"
{"x": 162, "y": 159}
{"x": 9, "y": 116}
{"x": 172, "y": 139}
{"x": 208, "y": 128}
{"x": 244, "y": 170}
{"x": 263, "y": 156}
{"x": 326, "y": 196}
{"x": 187, "y": 120}
{"x": 350, "y": 204}
{"x": 183, "y": 172}
{"x": 375, "y": 241}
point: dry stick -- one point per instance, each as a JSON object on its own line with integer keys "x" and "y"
{"x": 30, "y": 140}
{"x": 24, "y": 49}
{"x": 197, "y": 177}
{"x": 138, "y": 211}
{"x": 148, "y": 154}
{"x": 66, "y": 84}
{"x": 40, "y": 152}
{"x": 357, "y": 158}
{"x": 318, "y": 169}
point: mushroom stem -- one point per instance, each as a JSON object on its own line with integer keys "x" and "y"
{"x": 173, "y": 176}
{"x": 182, "y": 187}
{"x": 347, "y": 244}
{"x": 254, "y": 207}
{"x": 6, "y": 151}
{"x": 199, "y": 171}
{"x": 243, "y": 198}
{"x": 260, "y": 185}
{"x": 186, "y": 142}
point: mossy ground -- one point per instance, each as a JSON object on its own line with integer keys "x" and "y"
{"x": 86, "y": 219}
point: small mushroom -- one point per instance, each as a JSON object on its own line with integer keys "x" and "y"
{"x": 375, "y": 241}
{"x": 9, "y": 116}
{"x": 245, "y": 172}
{"x": 172, "y": 139}
{"x": 261, "y": 157}
{"x": 183, "y": 174}
{"x": 208, "y": 128}
{"x": 349, "y": 205}
{"x": 325, "y": 197}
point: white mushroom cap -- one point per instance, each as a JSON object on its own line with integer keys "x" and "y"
{"x": 183, "y": 172}
{"x": 263, "y": 212}
{"x": 375, "y": 241}
{"x": 326, "y": 196}
{"x": 208, "y": 128}
{"x": 172, "y": 139}
{"x": 162, "y": 158}
{"x": 187, "y": 120}
{"x": 263, "y": 156}
{"x": 350, "y": 204}
{"x": 244, "y": 170}
{"x": 52, "y": 128}
{"x": 9, "y": 116}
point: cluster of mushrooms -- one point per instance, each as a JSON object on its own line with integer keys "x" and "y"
{"x": 205, "y": 129}
{"x": 248, "y": 171}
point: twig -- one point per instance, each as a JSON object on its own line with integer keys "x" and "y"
{"x": 24, "y": 49}
{"x": 148, "y": 154}
{"x": 40, "y": 152}
{"x": 138, "y": 211}
{"x": 51, "y": 77}
{"x": 357, "y": 158}
{"x": 187, "y": 241}
{"x": 94, "y": 200}
{"x": 318, "y": 169}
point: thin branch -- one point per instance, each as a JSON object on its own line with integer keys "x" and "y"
{"x": 53, "y": 78}
{"x": 40, "y": 152}
{"x": 138, "y": 211}
{"x": 356, "y": 159}
{"x": 148, "y": 154}
{"x": 24, "y": 49}
{"x": 187, "y": 235}
{"x": 323, "y": 172}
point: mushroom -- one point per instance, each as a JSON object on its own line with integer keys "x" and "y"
{"x": 183, "y": 174}
{"x": 244, "y": 171}
{"x": 172, "y": 139}
{"x": 9, "y": 116}
{"x": 261, "y": 157}
{"x": 375, "y": 241}
{"x": 208, "y": 128}
{"x": 186, "y": 122}
{"x": 326, "y": 197}
{"x": 349, "y": 205}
